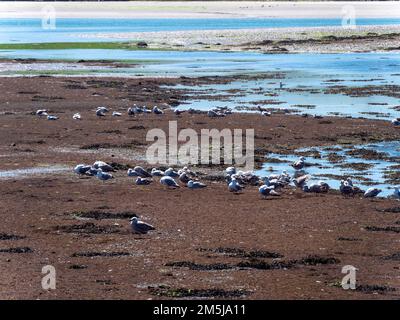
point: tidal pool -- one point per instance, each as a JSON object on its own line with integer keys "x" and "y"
{"x": 26, "y": 172}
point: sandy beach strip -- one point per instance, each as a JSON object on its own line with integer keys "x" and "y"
{"x": 202, "y": 9}
{"x": 295, "y": 40}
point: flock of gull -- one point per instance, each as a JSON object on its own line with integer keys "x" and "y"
{"x": 213, "y": 113}
{"x": 236, "y": 181}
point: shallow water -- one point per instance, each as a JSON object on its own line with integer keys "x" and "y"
{"x": 26, "y": 172}
{"x": 70, "y": 29}
{"x": 322, "y": 167}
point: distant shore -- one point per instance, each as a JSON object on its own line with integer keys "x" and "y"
{"x": 201, "y": 9}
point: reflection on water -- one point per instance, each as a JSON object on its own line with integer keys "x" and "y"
{"x": 376, "y": 165}
{"x": 23, "y": 173}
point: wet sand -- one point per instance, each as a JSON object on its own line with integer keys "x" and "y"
{"x": 213, "y": 241}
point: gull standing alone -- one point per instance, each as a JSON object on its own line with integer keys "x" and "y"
{"x": 140, "y": 227}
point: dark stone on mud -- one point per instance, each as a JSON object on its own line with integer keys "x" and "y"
{"x": 141, "y": 44}
{"x": 17, "y": 250}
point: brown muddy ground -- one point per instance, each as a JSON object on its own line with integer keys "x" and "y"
{"x": 215, "y": 243}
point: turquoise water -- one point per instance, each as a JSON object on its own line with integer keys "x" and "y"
{"x": 322, "y": 168}
{"x": 305, "y": 77}
{"x": 69, "y": 29}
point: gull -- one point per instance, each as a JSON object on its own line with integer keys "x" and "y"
{"x": 299, "y": 164}
{"x": 103, "y": 166}
{"x": 50, "y": 117}
{"x": 157, "y": 110}
{"x": 169, "y": 182}
{"x": 100, "y": 113}
{"x": 77, "y": 116}
{"x": 116, "y": 114}
{"x": 195, "y": 185}
{"x": 42, "y": 113}
{"x": 230, "y": 170}
{"x": 102, "y": 109}
{"x": 178, "y": 112}
{"x": 396, "y": 193}
{"x": 213, "y": 114}
{"x": 140, "y": 227}
{"x": 132, "y": 173}
{"x": 266, "y": 113}
{"x": 301, "y": 181}
{"x": 234, "y": 186}
{"x": 171, "y": 173}
{"x": 103, "y": 175}
{"x": 372, "y": 192}
{"x": 141, "y": 172}
{"x": 81, "y": 169}
{"x": 396, "y": 122}
{"x": 346, "y": 187}
{"x": 157, "y": 173}
{"x": 184, "y": 178}
{"x": 265, "y": 190}
{"x": 320, "y": 187}
{"x": 142, "y": 181}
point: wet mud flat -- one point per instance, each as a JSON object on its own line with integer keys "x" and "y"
{"x": 208, "y": 243}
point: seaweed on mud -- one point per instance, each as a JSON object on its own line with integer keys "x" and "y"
{"x": 100, "y": 215}
{"x": 358, "y": 166}
{"x": 313, "y": 260}
{"x": 5, "y": 236}
{"x": 87, "y": 228}
{"x": 78, "y": 266}
{"x": 138, "y": 127}
{"x": 120, "y": 166}
{"x": 201, "y": 267}
{"x": 236, "y": 252}
{"x": 367, "y": 154}
{"x": 166, "y": 291}
{"x": 335, "y": 158}
{"x": 106, "y": 145}
{"x": 367, "y": 288}
{"x": 262, "y": 265}
{"x": 392, "y": 177}
{"x": 394, "y": 256}
{"x": 390, "y": 210}
{"x": 17, "y": 250}
{"x": 383, "y": 229}
{"x": 348, "y": 239}
{"x": 214, "y": 177}
{"x": 91, "y": 254}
